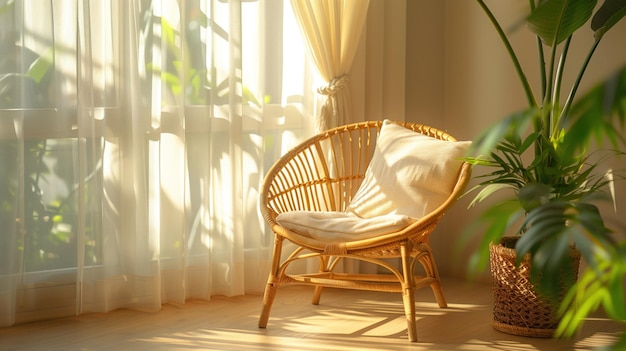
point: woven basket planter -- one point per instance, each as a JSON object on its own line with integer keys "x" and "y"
{"x": 517, "y": 308}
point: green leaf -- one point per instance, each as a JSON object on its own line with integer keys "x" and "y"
{"x": 611, "y": 12}
{"x": 614, "y": 301}
{"x": 590, "y": 296}
{"x": 498, "y": 218}
{"x": 591, "y": 219}
{"x": 597, "y": 113}
{"x": 555, "y": 20}
{"x": 602, "y": 285}
{"x": 558, "y": 262}
{"x": 249, "y": 97}
{"x": 593, "y": 255}
{"x": 533, "y": 195}
{"x": 581, "y": 300}
{"x": 7, "y": 6}
{"x": 487, "y": 191}
{"x": 40, "y": 67}
{"x": 537, "y": 235}
{"x": 514, "y": 124}
{"x": 619, "y": 345}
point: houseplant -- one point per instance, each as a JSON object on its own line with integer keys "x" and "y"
{"x": 542, "y": 156}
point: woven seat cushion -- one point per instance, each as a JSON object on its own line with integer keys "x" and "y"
{"x": 340, "y": 226}
{"x": 410, "y": 174}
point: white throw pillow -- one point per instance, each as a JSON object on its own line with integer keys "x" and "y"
{"x": 410, "y": 174}
{"x": 340, "y": 226}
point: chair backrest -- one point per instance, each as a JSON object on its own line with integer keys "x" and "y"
{"x": 325, "y": 171}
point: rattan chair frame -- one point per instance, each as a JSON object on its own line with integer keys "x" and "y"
{"x": 322, "y": 174}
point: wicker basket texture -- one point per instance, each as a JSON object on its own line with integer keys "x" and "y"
{"x": 517, "y": 308}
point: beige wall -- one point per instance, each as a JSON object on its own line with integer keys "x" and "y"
{"x": 459, "y": 78}
{"x": 377, "y": 76}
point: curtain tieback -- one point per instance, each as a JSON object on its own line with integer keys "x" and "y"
{"x": 330, "y": 90}
{"x": 333, "y": 86}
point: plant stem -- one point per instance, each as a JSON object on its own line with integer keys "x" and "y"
{"x": 547, "y": 103}
{"x": 542, "y": 60}
{"x": 570, "y": 99}
{"x": 542, "y": 66}
{"x": 518, "y": 68}
{"x": 558, "y": 80}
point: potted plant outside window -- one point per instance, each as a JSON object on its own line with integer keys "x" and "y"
{"x": 539, "y": 161}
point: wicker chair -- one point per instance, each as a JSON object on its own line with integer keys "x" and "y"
{"x": 322, "y": 174}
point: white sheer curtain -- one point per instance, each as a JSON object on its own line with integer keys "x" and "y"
{"x": 332, "y": 29}
{"x": 133, "y": 139}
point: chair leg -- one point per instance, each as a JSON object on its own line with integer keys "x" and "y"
{"x": 408, "y": 297}
{"x": 273, "y": 281}
{"x": 441, "y": 299}
{"x": 317, "y": 292}
{"x": 268, "y": 299}
{"x": 408, "y": 291}
{"x": 428, "y": 262}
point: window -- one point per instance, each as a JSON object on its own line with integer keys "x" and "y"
{"x": 134, "y": 136}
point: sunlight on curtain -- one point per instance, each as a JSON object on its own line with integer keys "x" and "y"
{"x": 134, "y": 136}
{"x": 332, "y": 29}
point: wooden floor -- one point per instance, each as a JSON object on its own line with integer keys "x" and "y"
{"x": 344, "y": 320}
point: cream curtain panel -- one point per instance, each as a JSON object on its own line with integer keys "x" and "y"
{"x": 134, "y": 136}
{"x": 332, "y": 29}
